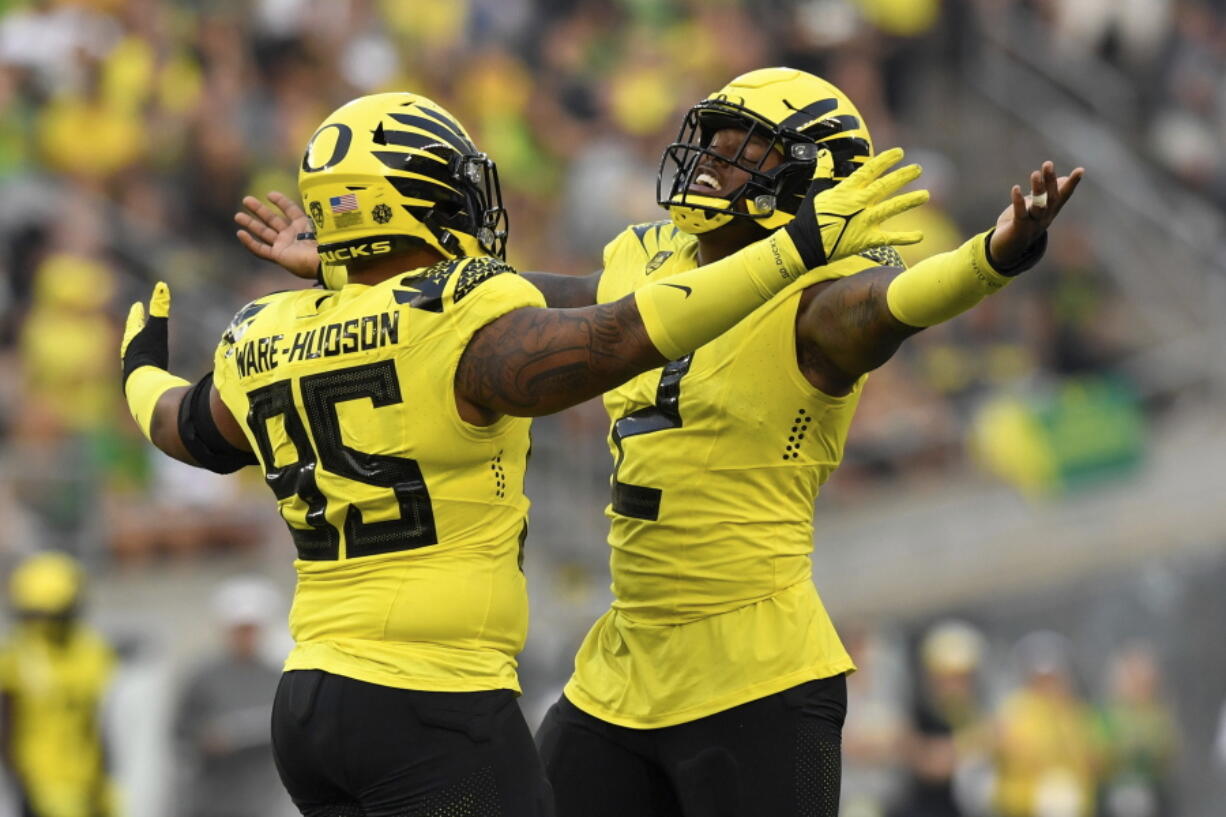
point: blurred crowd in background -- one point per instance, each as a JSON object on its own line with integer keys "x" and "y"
{"x": 131, "y": 129}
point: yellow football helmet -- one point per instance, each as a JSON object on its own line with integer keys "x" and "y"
{"x": 47, "y": 584}
{"x": 810, "y": 123}
{"x": 387, "y": 172}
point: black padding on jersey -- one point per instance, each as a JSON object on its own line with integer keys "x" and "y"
{"x": 201, "y": 436}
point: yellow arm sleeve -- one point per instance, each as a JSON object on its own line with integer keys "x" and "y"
{"x": 938, "y": 288}
{"x": 695, "y": 307}
{"x": 144, "y": 388}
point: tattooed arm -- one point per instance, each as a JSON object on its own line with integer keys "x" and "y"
{"x": 566, "y": 291}
{"x": 844, "y": 328}
{"x": 850, "y": 326}
{"x": 536, "y": 361}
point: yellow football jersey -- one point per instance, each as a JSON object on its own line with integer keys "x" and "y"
{"x": 718, "y": 458}
{"x": 56, "y": 692}
{"x": 408, "y": 521}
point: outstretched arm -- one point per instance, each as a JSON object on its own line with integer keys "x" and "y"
{"x": 280, "y": 232}
{"x": 852, "y": 325}
{"x": 566, "y": 291}
{"x": 537, "y": 361}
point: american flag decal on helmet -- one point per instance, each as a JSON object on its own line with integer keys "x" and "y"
{"x": 344, "y": 204}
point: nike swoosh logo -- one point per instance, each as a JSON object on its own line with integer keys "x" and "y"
{"x": 684, "y": 289}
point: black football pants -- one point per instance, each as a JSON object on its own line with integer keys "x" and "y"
{"x": 346, "y": 748}
{"x": 778, "y": 756}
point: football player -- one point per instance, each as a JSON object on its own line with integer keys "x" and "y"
{"x": 390, "y": 421}
{"x": 714, "y": 685}
{"x": 54, "y": 674}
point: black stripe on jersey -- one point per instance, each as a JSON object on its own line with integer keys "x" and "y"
{"x": 449, "y": 136}
{"x": 248, "y": 311}
{"x": 245, "y": 314}
{"x": 638, "y": 501}
{"x": 641, "y": 230}
{"x": 425, "y": 291}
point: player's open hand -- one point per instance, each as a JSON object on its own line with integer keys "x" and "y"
{"x": 1027, "y": 217}
{"x": 145, "y": 340}
{"x": 281, "y": 233}
{"x": 846, "y": 219}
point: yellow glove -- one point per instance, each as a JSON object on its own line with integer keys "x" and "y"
{"x": 145, "y": 354}
{"x": 846, "y": 219}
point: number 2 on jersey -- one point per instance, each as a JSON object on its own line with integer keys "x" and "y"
{"x": 639, "y": 501}
{"x": 321, "y": 393}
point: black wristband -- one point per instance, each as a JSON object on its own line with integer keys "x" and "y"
{"x": 149, "y": 347}
{"x": 805, "y": 234}
{"x": 1032, "y": 255}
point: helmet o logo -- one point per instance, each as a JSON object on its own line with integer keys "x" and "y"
{"x": 344, "y": 137}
